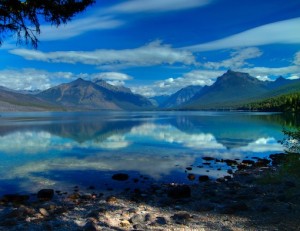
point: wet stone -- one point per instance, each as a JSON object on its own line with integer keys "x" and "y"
{"x": 45, "y": 194}
{"x": 191, "y": 176}
{"x": 181, "y": 218}
{"x": 207, "y": 158}
{"x": 161, "y": 221}
{"x": 120, "y": 177}
{"x": 203, "y": 178}
{"x": 15, "y": 198}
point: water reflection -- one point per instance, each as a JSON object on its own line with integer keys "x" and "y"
{"x": 58, "y": 150}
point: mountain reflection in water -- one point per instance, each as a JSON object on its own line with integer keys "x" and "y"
{"x": 61, "y": 150}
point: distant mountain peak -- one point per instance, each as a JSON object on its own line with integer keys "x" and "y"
{"x": 104, "y": 84}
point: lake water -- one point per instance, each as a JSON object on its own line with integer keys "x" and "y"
{"x": 63, "y": 150}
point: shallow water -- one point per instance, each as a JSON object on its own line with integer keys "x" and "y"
{"x": 61, "y": 150}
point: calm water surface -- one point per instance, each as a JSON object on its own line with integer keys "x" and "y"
{"x": 61, "y": 150}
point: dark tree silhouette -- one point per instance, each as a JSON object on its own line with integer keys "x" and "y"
{"x": 22, "y": 18}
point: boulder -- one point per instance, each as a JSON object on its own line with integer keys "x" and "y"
{"x": 120, "y": 176}
{"x": 45, "y": 194}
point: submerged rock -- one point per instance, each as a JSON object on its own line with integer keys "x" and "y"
{"x": 191, "y": 176}
{"x": 45, "y": 194}
{"x": 203, "y": 178}
{"x": 179, "y": 191}
{"x": 120, "y": 176}
{"x": 15, "y": 198}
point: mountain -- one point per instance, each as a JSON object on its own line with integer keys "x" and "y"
{"x": 181, "y": 96}
{"x": 280, "y": 81}
{"x": 234, "y": 89}
{"x": 159, "y": 100}
{"x": 229, "y": 90}
{"x": 14, "y": 101}
{"x": 99, "y": 95}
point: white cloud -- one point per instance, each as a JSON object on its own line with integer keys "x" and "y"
{"x": 77, "y": 27}
{"x": 268, "y": 144}
{"x": 237, "y": 59}
{"x": 139, "y": 6}
{"x": 263, "y": 78}
{"x": 150, "y": 54}
{"x": 293, "y": 77}
{"x": 297, "y": 58}
{"x": 266, "y": 72}
{"x": 171, "y": 85}
{"x": 282, "y": 32}
{"x": 113, "y": 78}
{"x": 31, "y": 79}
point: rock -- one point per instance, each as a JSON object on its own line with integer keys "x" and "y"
{"x": 229, "y": 171}
{"x": 125, "y": 224}
{"x": 15, "y": 198}
{"x": 137, "y": 219}
{"x": 44, "y": 212}
{"x": 45, "y": 194}
{"x": 111, "y": 199}
{"x": 203, "y": 178}
{"x": 181, "y": 218}
{"x": 74, "y": 196}
{"x": 230, "y": 162}
{"x": 179, "y": 191}
{"x": 120, "y": 176}
{"x": 161, "y": 221}
{"x": 90, "y": 226}
{"x": 149, "y": 217}
{"x": 248, "y": 162}
{"x": 262, "y": 163}
{"x": 86, "y": 196}
{"x": 191, "y": 176}
{"x": 207, "y": 158}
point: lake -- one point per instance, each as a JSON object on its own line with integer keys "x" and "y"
{"x": 67, "y": 149}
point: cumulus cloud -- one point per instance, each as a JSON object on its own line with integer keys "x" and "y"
{"x": 237, "y": 60}
{"x": 171, "y": 85}
{"x": 113, "y": 78}
{"x": 154, "y": 53}
{"x": 140, "y": 6}
{"x": 268, "y": 144}
{"x": 297, "y": 58}
{"x": 266, "y": 72}
{"x": 32, "y": 79}
{"x": 282, "y": 32}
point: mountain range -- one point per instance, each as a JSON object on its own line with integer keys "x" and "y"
{"x": 232, "y": 90}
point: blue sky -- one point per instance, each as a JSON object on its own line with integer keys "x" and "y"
{"x": 160, "y": 46}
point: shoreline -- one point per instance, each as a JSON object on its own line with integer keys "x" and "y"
{"x": 248, "y": 199}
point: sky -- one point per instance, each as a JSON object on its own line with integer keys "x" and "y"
{"x": 157, "y": 47}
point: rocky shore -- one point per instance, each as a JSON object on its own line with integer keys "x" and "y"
{"x": 254, "y": 196}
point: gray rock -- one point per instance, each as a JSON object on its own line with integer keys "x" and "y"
{"x": 181, "y": 218}
{"x": 161, "y": 221}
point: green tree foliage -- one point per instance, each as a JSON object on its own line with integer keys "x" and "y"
{"x": 283, "y": 103}
{"x": 22, "y": 18}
